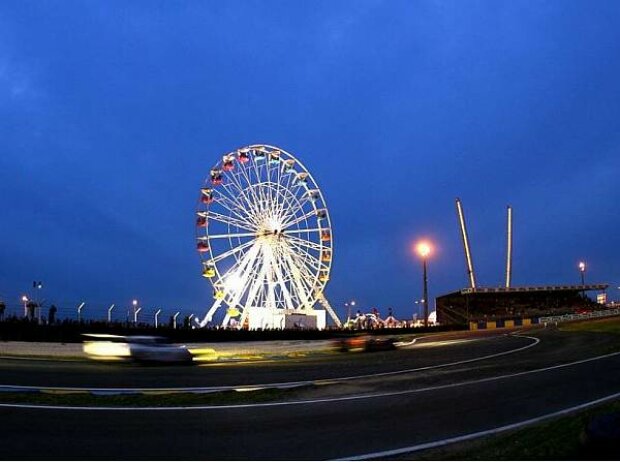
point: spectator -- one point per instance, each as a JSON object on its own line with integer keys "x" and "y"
{"x": 51, "y": 315}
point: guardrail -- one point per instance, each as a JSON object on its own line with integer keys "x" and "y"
{"x": 577, "y": 317}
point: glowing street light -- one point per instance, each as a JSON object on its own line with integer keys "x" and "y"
{"x": 25, "y": 302}
{"x": 348, "y": 305}
{"x": 424, "y": 249}
{"x": 582, "y": 270}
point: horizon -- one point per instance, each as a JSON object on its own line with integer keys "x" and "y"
{"x": 113, "y": 119}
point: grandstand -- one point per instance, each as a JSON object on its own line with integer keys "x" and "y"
{"x": 495, "y": 303}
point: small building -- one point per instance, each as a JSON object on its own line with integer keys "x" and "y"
{"x": 264, "y": 318}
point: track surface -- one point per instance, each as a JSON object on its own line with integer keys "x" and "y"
{"x": 317, "y": 429}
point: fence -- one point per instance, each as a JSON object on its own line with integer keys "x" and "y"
{"x": 113, "y": 313}
{"x": 577, "y": 317}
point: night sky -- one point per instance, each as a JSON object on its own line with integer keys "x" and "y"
{"x": 113, "y": 113}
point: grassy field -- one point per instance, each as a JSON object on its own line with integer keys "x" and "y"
{"x": 605, "y": 326}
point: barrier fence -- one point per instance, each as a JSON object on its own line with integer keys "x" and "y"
{"x": 577, "y": 317}
{"x": 113, "y": 313}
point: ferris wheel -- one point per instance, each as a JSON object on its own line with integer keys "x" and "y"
{"x": 264, "y": 237}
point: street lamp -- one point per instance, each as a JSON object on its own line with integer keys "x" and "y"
{"x": 110, "y": 313}
{"x": 25, "y": 302}
{"x": 348, "y": 305}
{"x": 582, "y": 270}
{"x": 38, "y": 285}
{"x": 157, "y": 316}
{"x": 79, "y": 311}
{"x": 135, "y": 315}
{"x": 174, "y": 319}
{"x": 424, "y": 249}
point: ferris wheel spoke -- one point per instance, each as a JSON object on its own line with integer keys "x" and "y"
{"x": 306, "y": 243}
{"x": 246, "y": 174}
{"x": 238, "y": 265}
{"x": 306, "y": 257}
{"x": 231, "y": 221}
{"x": 229, "y": 205}
{"x": 299, "y": 219}
{"x": 232, "y": 251}
{"x": 304, "y": 230}
{"x": 230, "y": 235}
{"x": 233, "y": 199}
{"x": 288, "y": 208}
{"x": 303, "y": 294}
{"x": 286, "y": 293}
{"x": 238, "y": 191}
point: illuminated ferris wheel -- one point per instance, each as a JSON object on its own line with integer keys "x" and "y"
{"x": 264, "y": 237}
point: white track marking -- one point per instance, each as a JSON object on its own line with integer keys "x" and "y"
{"x": 271, "y": 385}
{"x": 492, "y": 431}
{"x": 311, "y": 401}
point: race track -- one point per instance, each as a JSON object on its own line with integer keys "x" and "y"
{"x": 441, "y": 387}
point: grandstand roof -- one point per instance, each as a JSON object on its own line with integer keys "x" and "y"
{"x": 502, "y": 290}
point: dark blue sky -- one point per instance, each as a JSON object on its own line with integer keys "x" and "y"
{"x": 112, "y": 113}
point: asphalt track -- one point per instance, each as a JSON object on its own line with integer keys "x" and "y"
{"x": 362, "y": 416}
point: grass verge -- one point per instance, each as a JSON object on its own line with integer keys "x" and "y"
{"x": 558, "y": 439}
{"x": 152, "y": 399}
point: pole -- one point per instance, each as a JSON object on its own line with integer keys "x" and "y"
{"x": 425, "y": 293}
{"x": 80, "y": 311}
{"x": 174, "y": 319}
{"x": 156, "y": 316}
{"x": 135, "y": 315}
{"x": 110, "y": 313}
{"x": 509, "y": 248}
{"x": 468, "y": 259}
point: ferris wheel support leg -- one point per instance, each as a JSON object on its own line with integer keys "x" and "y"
{"x": 325, "y": 304}
{"x": 210, "y": 313}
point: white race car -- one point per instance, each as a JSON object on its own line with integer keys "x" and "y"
{"x": 141, "y": 348}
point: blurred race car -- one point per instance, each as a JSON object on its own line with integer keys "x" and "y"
{"x": 365, "y": 343}
{"x": 141, "y": 348}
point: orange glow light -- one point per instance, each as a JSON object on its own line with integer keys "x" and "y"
{"x": 423, "y": 249}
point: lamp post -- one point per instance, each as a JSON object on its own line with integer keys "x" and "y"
{"x": 582, "y": 270}
{"x": 174, "y": 319}
{"x": 79, "y": 311}
{"x": 135, "y": 315}
{"x": 25, "y": 302}
{"x": 157, "y": 316}
{"x": 423, "y": 249}
{"x": 134, "y": 304}
{"x": 348, "y": 305}
{"x": 38, "y": 285}
{"x": 110, "y": 313}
